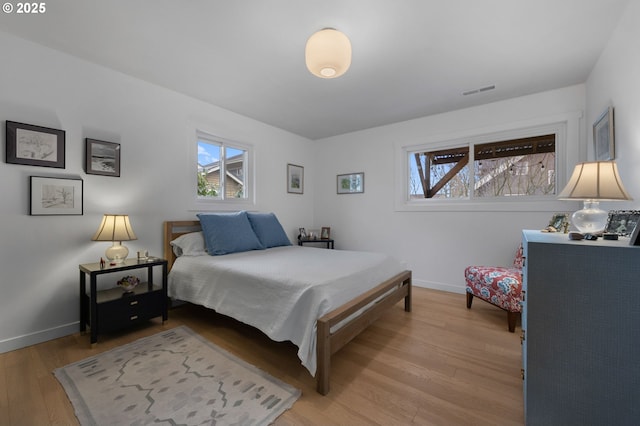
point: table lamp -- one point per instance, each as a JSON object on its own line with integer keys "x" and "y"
{"x": 593, "y": 182}
{"x": 115, "y": 228}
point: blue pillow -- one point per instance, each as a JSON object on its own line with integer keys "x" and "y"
{"x": 226, "y": 233}
{"x": 268, "y": 229}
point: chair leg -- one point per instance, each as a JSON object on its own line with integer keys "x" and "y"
{"x": 469, "y": 300}
{"x": 512, "y": 317}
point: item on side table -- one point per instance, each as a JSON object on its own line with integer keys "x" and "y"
{"x": 128, "y": 283}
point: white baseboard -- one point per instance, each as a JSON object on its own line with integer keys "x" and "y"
{"x": 19, "y": 342}
{"x": 439, "y": 286}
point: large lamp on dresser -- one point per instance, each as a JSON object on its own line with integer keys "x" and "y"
{"x": 593, "y": 182}
{"x": 115, "y": 228}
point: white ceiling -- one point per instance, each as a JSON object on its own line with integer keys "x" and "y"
{"x": 411, "y": 58}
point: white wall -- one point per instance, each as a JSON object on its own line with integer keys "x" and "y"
{"x": 437, "y": 245}
{"x": 615, "y": 81}
{"x": 39, "y": 255}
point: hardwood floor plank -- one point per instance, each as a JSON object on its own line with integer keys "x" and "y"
{"x": 441, "y": 364}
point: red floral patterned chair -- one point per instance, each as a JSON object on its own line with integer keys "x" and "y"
{"x": 500, "y": 286}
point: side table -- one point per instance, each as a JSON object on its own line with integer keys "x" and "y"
{"x": 327, "y": 241}
{"x": 112, "y": 309}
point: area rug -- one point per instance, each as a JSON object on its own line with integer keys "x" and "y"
{"x": 173, "y": 377}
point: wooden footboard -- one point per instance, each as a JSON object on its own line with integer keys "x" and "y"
{"x": 328, "y": 342}
{"x": 372, "y": 303}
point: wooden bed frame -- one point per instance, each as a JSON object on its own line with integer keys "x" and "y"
{"x": 376, "y": 301}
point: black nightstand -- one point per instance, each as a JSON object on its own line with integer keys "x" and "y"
{"x": 112, "y": 309}
{"x": 327, "y": 241}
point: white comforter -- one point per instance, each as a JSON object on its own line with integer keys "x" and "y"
{"x": 282, "y": 291}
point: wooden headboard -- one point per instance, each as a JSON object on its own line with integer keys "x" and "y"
{"x": 172, "y": 230}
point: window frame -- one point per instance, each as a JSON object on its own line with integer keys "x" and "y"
{"x": 566, "y": 128}
{"x": 203, "y": 203}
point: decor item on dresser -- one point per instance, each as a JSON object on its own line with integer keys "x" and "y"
{"x": 102, "y": 158}
{"x": 351, "y": 183}
{"x": 325, "y": 233}
{"x": 34, "y": 145}
{"x": 593, "y": 182}
{"x": 317, "y": 299}
{"x": 295, "y": 179}
{"x": 55, "y": 196}
{"x": 603, "y": 136}
{"x": 559, "y": 223}
{"x": 622, "y": 222}
{"x": 128, "y": 283}
{"x": 500, "y": 286}
{"x": 115, "y": 228}
{"x": 173, "y": 377}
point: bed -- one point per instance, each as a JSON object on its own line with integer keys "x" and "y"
{"x": 343, "y": 304}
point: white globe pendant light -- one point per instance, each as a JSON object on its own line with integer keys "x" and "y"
{"x": 328, "y": 53}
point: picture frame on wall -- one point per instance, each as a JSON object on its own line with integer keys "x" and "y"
{"x": 350, "y": 183}
{"x": 603, "y": 136}
{"x": 32, "y": 145}
{"x": 55, "y": 196}
{"x": 102, "y": 158}
{"x": 295, "y": 179}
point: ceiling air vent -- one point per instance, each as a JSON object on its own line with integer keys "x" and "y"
{"x": 480, "y": 90}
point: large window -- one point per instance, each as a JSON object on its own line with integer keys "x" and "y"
{"x": 223, "y": 169}
{"x": 510, "y": 168}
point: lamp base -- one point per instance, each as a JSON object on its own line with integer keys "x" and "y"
{"x": 117, "y": 253}
{"x": 591, "y": 219}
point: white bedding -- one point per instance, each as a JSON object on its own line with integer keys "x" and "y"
{"x": 282, "y": 291}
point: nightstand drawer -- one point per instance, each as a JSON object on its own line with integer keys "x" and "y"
{"x": 128, "y": 310}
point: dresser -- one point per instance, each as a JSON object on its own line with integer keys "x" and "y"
{"x": 581, "y": 331}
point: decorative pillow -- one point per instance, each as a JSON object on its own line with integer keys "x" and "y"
{"x": 268, "y": 229}
{"x": 191, "y": 244}
{"x": 226, "y": 233}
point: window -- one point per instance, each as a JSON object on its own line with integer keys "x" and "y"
{"x": 223, "y": 169}
{"x": 510, "y": 168}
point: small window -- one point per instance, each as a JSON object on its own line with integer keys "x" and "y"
{"x": 512, "y": 168}
{"x": 222, "y": 169}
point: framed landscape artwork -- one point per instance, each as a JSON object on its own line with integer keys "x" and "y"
{"x": 34, "y": 145}
{"x": 295, "y": 179}
{"x": 102, "y": 158}
{"x": 55, "y": 196}
{"x": 603, "y": 134}
{"x": 352, "y": 183}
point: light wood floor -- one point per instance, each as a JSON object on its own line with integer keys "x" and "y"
{"x": 438, "y": 365}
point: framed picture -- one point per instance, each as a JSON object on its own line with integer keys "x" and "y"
{"x": 325, "y": 233}
{"x": 295, "y": 179}
{"x": 603, "y": 143}
{"x": 560, "y": 222}
{"x": 34, "y": 145}
{"x": 302, "y": 233}
{"x": 622, "y": 222}
{"x": 102, "y": 158}
{"x": 352, "y": 183}
{"x": 55, "y": 196}
{"x": 635, "y": 240}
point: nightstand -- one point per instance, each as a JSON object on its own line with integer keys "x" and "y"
{"x": 327, "y": 241}
{"x": 112, "y": 309}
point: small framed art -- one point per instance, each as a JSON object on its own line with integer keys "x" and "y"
{"x": 352, "y": 183}
{"x": 34, "y": 145}
{"x": 603, "y": 134}
{"x": 622, "y": 222}
{"x": 55, "y": 196}
{"x": 295, "y": 179}
{"x": 325, "y": 233}
{"x": 559, "y": 222}
{"x": 102, "y": 158}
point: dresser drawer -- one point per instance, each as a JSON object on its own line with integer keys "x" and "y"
{"x": 128, "y": 310}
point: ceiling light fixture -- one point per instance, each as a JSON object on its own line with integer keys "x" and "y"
{"x": 328, "y": 53}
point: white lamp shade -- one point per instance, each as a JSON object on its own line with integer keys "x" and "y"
{"x": 598, "y": 180}
{"x": 328, "y": 53}
{"x": 114, "y": 227}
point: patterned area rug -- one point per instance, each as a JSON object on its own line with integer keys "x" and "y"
{"x": 173, "y": 377}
